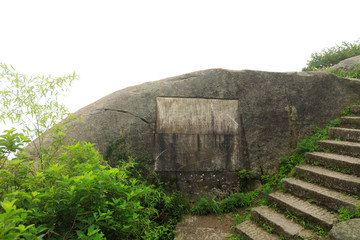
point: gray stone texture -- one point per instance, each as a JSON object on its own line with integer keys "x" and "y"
{"x": 347, "y": 63}
{"x": 347, "y": 230}
{"x": 282, "y": 226}
{"x": 355, "y": 109}
{"x": 297, "y": 206}
{"x": 277, "y": 109}
{"x": 326, "y": 197}
{"x": 254, "y": 232}
{"x": 333, "y": 179}
{"x": 341, "y": 147}
{"x": 345, "y": 134}
{"x": 347, "y": 163}
{"x": 258, "y": 117}
{"x": 350, "y": 122}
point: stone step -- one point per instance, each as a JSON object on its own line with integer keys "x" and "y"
{"x": 350, "y": 122}
{"x": 327, "y": 197}
{"x": 345, "y": 134}
{"x": 350, "y": 164}
{"x": 301, "y": 208}
{"x": 281, "y": 225}
{"x": 341, "y": 147}
{"x": 332, "y": 179}
{"x": 253, "y": 231}
{"x": 355, "y": 109}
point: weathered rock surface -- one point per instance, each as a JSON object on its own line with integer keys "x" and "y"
{"x": 347, "y": 63}
{"x": 307, "y": 200}
{"x": 347, "y": 230}
{"x": 252, "y": 118}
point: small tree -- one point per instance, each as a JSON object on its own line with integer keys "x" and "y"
{"x": 31, "y": 102}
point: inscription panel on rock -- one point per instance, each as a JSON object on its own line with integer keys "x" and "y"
{"x": 196, "y": 134}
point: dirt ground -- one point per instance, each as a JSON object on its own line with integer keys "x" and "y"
{"x": 204, "y": 227}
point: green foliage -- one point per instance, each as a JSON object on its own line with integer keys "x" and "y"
{"x": 12, "y": 223}
{"x": 32, "y": 101}
{"x": 30, "y": 104}
{"x": 229, "y": 204}
{"x": 237, "y": 200}
{"x": 301, "y": 220}
{"x": 242, "y": 218}
{"x": 319, "y": 231}
{"x": 204, "y": 207}
{"x": 333, "y": 55}
{"x": 328, "y": 57}
{"x": 266, "y": 190}
{"x": 346, "y": 112}
{"x": 268, "y": 228}
{"x": 245, "y": 176}
{"x": 79, "y": 196}
{"x": 10, "y": 143}
{"x": 353, "y": 72}
{"x": 345, "y": 214}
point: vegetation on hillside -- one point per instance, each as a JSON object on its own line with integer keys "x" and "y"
{"x": 332, "y": 55}
{"x": 328, "y": 57}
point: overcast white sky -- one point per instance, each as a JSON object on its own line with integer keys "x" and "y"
{"x": 115, "y": 44}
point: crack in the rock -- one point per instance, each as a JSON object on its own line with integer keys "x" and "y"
{"x": 123, "y": 111}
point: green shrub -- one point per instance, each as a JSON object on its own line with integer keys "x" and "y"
{"x": 12, "y": 222}
{"x": 80, "y": 196}
{"x": 345, "y": 214}
{"x": 353, "y": 72}
{"x": 204, "y": 207}
{"x": 237, "y": 200}
{"x": 333, "y": 55}
{"x": 229, "y": 204}
{"x": 245, "y": 177}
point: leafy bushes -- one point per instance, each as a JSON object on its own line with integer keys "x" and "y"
{"x": 333, "y": 55}
{"x": 78, "y": 196}
{"x": 328, "y": 57}
{"x": 345, "y": 214}
{"x": 229, "y": 204}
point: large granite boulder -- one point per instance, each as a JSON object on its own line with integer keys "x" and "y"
{"x": 203, "y": 126}
{"x": 348, "y": 63}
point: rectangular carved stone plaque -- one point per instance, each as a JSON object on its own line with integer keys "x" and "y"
{"x": 196, "y": 134}
{"x": 197, "y": 116}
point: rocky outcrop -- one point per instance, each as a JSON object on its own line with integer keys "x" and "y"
{"x": 347, "y": 64}
{"x": 252, "y": 118}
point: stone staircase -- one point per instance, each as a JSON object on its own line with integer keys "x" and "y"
{"x": 316, "y": 193}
